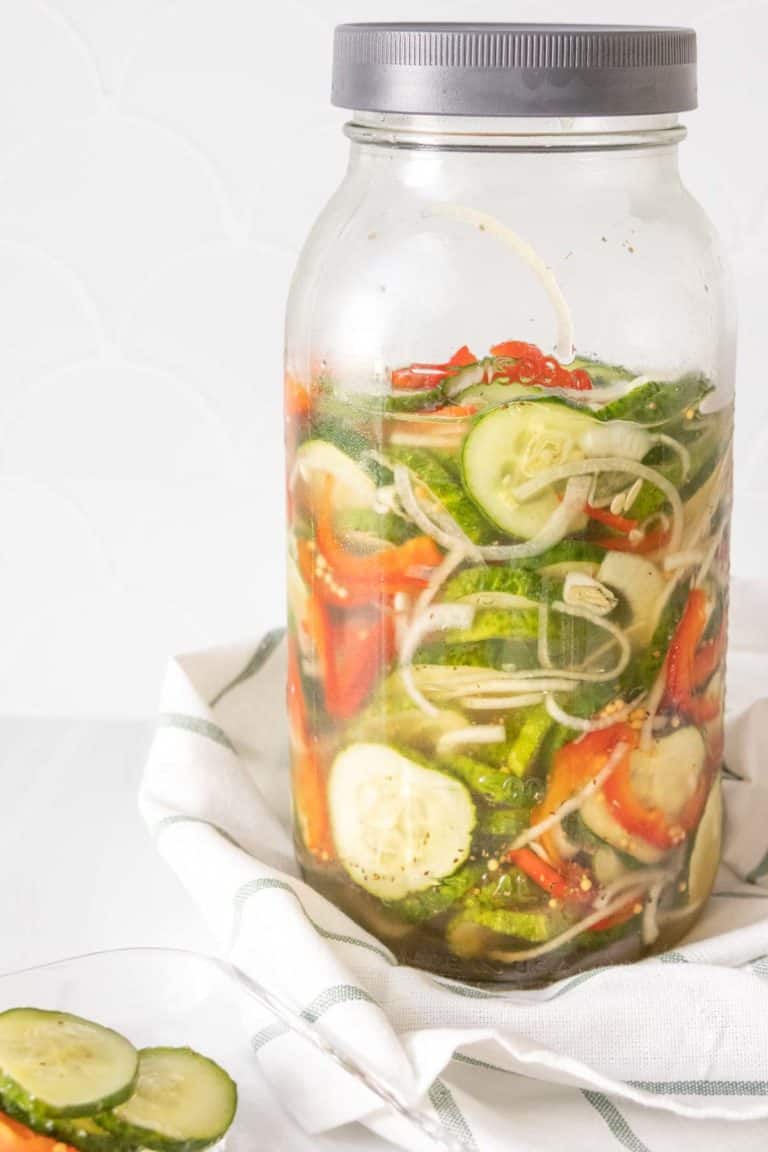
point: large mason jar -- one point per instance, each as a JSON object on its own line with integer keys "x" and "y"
{"x": 509, "y": 405}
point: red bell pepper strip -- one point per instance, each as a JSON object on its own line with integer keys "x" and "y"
{"x": 298, "y": 401}
{"x": 462, "y": 357}
{"x": 517, "y": 350}
{"x": 651, "y": 824}
{"x": 391, "y": 569}
{"x": 360, "y": 645}
{"x": 571, "y": 886}
{"x": 16, "y": 1137}
{"x": 416, "y": 377}
{"x": 606, "y": 517}
{"x": 574, "y": 766}
{"x": 633, "y": 908}
{"x": 650, "y": 542}
{"x": 308, "y": 777}
{"x": 681, "y": 663}
{"x": 707, "y": 659}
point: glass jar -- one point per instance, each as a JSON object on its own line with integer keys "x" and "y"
{"x": 509, "y": 367}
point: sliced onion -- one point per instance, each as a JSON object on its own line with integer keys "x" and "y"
{"x": 575, "y": 802}
{"x": 596, "y": 464}
{"x": 505, "y": 957}
{"x": 472, "y": 734}
{"x": 579, "y": 724}
{"x": 444, "y": 570}
{"x": 542, "y": 645}
{"x": 415, "y": 440}
{"x": 599, "y": 622}
{"x": 709, "y": 555}
{"x": 449, "y": 537}
{"x": 562, "y": 521}
{"x": 630, "y": 880}
{"x": 565, "y": 342}
{"x": 682, "y": 560}
{"x": 512, "y": 684}
{"x": 440, "y": 618}
{"x": 507, "y": 600}
{"x": 650, "y": 923}
{"x": 499, "y": 703}
{"x": 680, "y": 449}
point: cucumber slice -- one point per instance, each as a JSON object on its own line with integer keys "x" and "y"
{"x": 528, "y": 742}
{"x": 508, "y": 581}
{"x": 657, "y": 401}
{"x": 398, "y": 826}
{"x": 567, "y": 556}
{"x": 599, "y": 819}
{"x": 534, "y": 926}
{"x": 640, "y": 674}
{"x": 369, "y": 529}
{"x": 88, "y": 1136}
{"x": 668, "y": 775}
{"x": 493, "y": 784}
{"x": 495, "y": 394}
{"x": 183, "y": 1102}
{"x": 337, "y": 430}
{"x": 602, "y": 374}
{"x": 705, "y": 856}
{"x": 642, "y": 585}
{"x": 433, "y": 901}
{"x": 512, "y": 444}
{"x": 428, "y": 471}
{"x": 54, "y": 1064}
{"x": 504, "y": 824}
{"x": 353, "y": 487}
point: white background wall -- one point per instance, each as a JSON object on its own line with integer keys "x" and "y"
{"x": 160, "y": 163}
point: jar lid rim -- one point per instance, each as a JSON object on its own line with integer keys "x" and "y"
{"x": 514, "y": 69}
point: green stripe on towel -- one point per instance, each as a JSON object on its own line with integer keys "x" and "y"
{"x": 265, "y": 649}
{"x": 196, "y": 724}
{"x": 449, "y": 1113}
{"x": 267, "y": 883}
{"x": 702, "y": 1087}
{"x": 615, "y": 1121}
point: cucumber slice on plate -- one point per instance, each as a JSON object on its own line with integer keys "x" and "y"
{"x": 398, "y": 826}
{"x": 183, "y": 1102}
{"x": 510, "y": 446}
{"x": 53, "y": 1064}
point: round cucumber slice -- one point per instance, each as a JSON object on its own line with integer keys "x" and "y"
{"x": 183, "y": 1102}
{"x": 54, "y": 1064}
{"x": 509, "y": 446}
{"x": 642, "y": 584}
{"x": 353, "y": 487}
{"x": 667, "y": 776}
{"x": 599, "y": 819}
{"x": 398, "y": 826}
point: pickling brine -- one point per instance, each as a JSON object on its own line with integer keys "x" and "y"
{"x": 508, "y": 605}
{"x": 509, "y": 369}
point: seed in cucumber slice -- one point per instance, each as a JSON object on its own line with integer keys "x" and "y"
{"x": 54, "y": 1064}
{"x": 183, "y": 1102}
{"x": 508, "y": 447}
{"x": 398, "y": 825}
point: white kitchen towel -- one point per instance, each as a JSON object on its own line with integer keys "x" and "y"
{"x": 661, "y": 1056}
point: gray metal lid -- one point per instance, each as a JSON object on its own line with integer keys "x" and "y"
{"x": 514, "y": 69}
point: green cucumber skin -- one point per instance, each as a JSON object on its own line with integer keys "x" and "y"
{"x": 445, "y": 488}
{"x": 641, "y": 672}
{"x": 66, "y": 1130}
{"x": 657, "y": 402}
{"x": 353, "y": 444}
{"x": 535, "y": 927}
{"x": 566, "y": 552}
{"x": 498, "y": 787}
{"x": 504, "y": 824}
{"x": 419, "y": 906}
{"x": 28, "y": 1105}
{"x": 514, "y": 581}
{"x": 145, "y": 1138}
{"x": 385, "y": 526}
{"x": 526, "y": 747}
